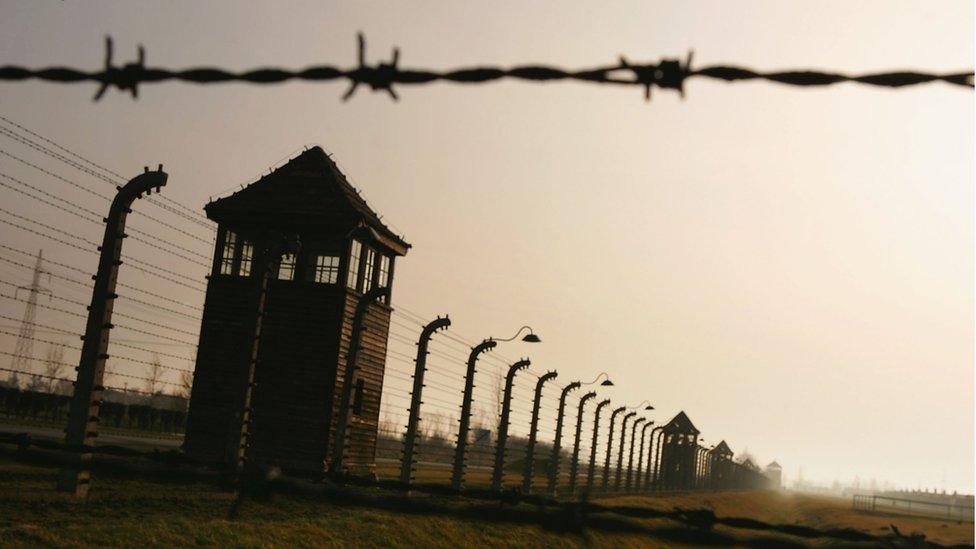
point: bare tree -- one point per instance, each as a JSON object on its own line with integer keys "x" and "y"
{"x": 155, "y": 373}
{"x": 14, "y": 380}
{"x": 36, "y": 384}
{"x": 498, "y": 390}
{"x": 186, "y": 384}
{"x": 54, "y": 366}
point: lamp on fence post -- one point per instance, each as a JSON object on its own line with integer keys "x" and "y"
{"x": 606, "y": 463}
{"x": 502, "y": 437}
{"x": 591, "y": 470}
{"x": 533, "y": 431}
{"x": 574, "y": 462}
{"x": 557, "y": 442}
{"x": 420, "y": 367}
{"x": 457, "y": 473}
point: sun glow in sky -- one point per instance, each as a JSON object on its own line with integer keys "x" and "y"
{"x": 792, "y": 267}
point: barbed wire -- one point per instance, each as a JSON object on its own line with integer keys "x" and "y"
{"x": 383, "y": 76}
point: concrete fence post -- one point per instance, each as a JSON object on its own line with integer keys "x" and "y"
{"x": 574, "y": 462}
{"x": 557, "y": 441}
{"x": 591, "y": 470}
{"x": 606, "y": 463}
{"x": 656, "y": 477}
{"x": 630, "y": 458}
{"x": 501, "y": 438}
{"x": 640, "y": 460}
{"x": 82, "y": 428}
{"x": 620, "y": 451}
{"x": 457, "y": 472}
{"x": 349, "y": 375}
{"x": 533, "y": 433}
{"x": 420, "y": 367}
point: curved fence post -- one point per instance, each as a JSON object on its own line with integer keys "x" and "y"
{"x": 657, "y": 460}
{"x": 348, "y": 377}
{"x": 501, "y": 438}
{"x": 620, "y": 452}
{"x": 457, "y": 473}
{"x": 557, "y": 442}
{"x": 86, "y": 399}
{"x": 640, "y": 460}
{"x": 606, "y": 463}
{"x": 533, "y": 432}
{"x": 574, "y": 462}
{"x": 410, "y": 439}
{"x": 591, "y": 472}
{"x": 630, "y": 458}
{"x": 649, "y": 475}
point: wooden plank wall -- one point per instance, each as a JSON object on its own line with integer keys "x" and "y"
{"x": 213, "y": 420}
{"x": 295, "y": 376}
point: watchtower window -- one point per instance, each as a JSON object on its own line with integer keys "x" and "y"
{"x": 326, "y": 269}
{"x": 368, "y": 271}
{"x": 247, "y": 256}
{"x": 357, "y": 406}
{"x": 286, "y": 267}
{"x": 384, "y": 271}
{"x": 355, "y": 252}
{"x": 227, "y": 253}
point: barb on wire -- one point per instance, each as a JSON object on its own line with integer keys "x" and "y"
{"x": 383, "y": 76}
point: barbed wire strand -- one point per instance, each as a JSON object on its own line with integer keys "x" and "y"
{"x": 383, "y": 76}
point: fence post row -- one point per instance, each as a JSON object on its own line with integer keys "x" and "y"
{"x": 457, "y": 473}
{"x": 501, "y": 438}
{"x": 591, "y": 472}
{"x": 557, "y": 443}
{"x": 410, "y": 439}
{"x": 86, "y": 399}
{"x": 574, "y": 462}
{"x": 620, "y": 451}
{"x": 606, "y": 463}
{"x": 630, "y": 458}
{"x": 533, "y": 433}
{"x": 355, "y": 342}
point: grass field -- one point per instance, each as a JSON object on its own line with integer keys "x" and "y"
{"x": 131, "y": 510}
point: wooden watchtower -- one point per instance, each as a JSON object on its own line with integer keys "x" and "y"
{"x": 678, "y": 453}
{"x": 720, "y": 472}
{"x": 345, "y": 250}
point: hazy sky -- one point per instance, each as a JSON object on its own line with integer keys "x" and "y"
{"x": 792, "y": 267}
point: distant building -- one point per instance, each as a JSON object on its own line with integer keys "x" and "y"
{"x": 721, "y": 467}
{"x": 679, "y": 449}
{"x": 345, "y": 250}
{"x": 774, "y": 472}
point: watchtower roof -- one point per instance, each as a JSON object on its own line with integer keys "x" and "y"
{"x": 308, "y": 189}
{"x": 722, "y": 449}
{"x": 774, "y": 465}
{"x": 680, "y": 424}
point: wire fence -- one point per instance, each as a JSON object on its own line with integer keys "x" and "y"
{"x": 668, "y": 74}
{"x": 150, "y": 364}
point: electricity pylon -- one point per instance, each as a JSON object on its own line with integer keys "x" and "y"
{"x": 24, "y": 350}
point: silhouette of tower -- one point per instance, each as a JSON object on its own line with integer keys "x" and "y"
{"x": 24, "y": 350}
